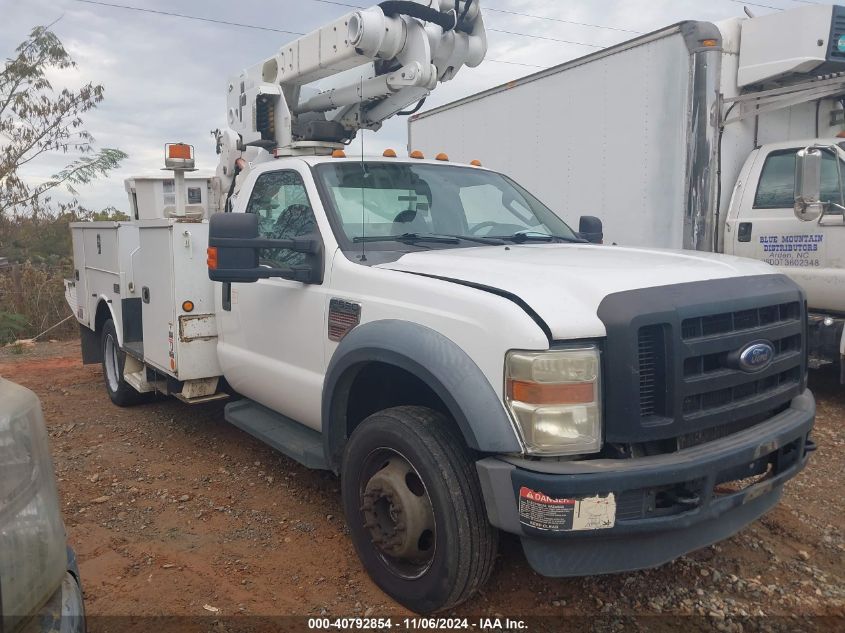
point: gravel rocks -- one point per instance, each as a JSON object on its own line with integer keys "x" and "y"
{"x": 126, "y": 472}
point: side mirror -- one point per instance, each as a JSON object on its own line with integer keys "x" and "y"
{"x": 234, "y": 243}
{"x": 590, "y": 228}
{"x": 808, "y": 183}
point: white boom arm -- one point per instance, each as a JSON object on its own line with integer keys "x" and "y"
{"x": 408, "y": 47}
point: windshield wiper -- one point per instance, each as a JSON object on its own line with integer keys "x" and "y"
{"x": 493, "y": 241}
{"x": 429, "y": 237}
{"x": 520, "y": 237}
{"x": 410, "y": 238}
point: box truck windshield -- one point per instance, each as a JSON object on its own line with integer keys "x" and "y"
{"x": 776, "y": 188}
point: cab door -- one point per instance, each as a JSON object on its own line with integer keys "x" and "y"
{"x": 272, "y": 332}
{"x": 762, "y": 226}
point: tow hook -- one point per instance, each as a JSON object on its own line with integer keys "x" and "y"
{"x": 690, "y": 500}
{"x": 682, "y": 498}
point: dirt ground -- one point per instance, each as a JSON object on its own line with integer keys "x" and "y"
{"x": 172, "y": 511}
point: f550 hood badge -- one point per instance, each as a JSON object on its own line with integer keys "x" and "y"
{"x": 756, "y": 356}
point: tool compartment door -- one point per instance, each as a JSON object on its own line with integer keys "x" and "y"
{"x": 80, "y": 277}
{"x": 96, "y": 247}
{"x": 155, "y": 279}
{"x": 196, "y": 330}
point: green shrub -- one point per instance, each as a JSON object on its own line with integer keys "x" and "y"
{"x": 33, "y": 299}
{"x": 11, "y": 325}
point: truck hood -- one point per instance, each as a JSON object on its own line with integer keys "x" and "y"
{"x": 565, "y": 283}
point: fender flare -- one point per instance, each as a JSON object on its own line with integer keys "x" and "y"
{"x": 436, "y": 360}
{"x": 103, "y": 299}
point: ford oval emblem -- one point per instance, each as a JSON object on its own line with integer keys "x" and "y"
{"x": 756, "y": 356}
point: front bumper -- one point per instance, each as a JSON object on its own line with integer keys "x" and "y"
{"x": 665, "y": 505}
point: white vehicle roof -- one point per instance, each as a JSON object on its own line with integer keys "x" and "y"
{"x": 316, "y": 160}
{"x": 809, "y": 142}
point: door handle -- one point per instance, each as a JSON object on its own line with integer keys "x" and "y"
{"x": 744, "y": 232}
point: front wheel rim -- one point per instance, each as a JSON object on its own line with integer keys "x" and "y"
{"x": 397, "y": 513}
{"x": 111, "y": 363}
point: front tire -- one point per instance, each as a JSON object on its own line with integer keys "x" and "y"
{"x": 414, "y": 508}
{"x": 121, "y": 393}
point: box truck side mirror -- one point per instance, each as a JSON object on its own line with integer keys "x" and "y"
{"x": 590, "y": 228}
{"x": 808, "y": 183}
{"x": 234, "y": 245}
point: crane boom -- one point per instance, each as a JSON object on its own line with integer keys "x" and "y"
{"x": 384, "y": 58}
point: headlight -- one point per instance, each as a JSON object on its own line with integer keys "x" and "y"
{"x": 555, "y": 398}
{"x": 33, "y": 554}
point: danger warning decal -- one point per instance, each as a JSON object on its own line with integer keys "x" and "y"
{"x": 541, "y": 512}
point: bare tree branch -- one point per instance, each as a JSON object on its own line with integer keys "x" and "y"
{"x": 36, "y": 119}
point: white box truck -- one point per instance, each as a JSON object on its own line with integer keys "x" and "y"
{"x": 613, "y": 408}
{"x": 683, "y": 138}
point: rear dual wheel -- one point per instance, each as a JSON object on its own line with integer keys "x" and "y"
{"x": 414, "y": 507}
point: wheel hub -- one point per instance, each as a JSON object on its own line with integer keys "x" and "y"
{"x": 397, "y": 512}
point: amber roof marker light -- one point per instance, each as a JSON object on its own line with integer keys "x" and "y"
{"x": 417, "y": 154}
{"x": 179, "y": 156}
{"x": 179, "y": 150}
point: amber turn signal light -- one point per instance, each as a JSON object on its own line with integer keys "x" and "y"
{"x": 211, "y": 260}
{"x": 550, "y": 393}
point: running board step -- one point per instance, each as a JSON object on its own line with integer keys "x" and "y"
{"x": 287, "y": 436}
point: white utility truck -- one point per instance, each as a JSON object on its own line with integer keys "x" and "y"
{"x": 442, "y": 340}
{"x": 684, "y": 138}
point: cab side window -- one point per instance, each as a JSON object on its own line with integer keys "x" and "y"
{"x": 776, "y": 189}
{"x": 281, "y": 203}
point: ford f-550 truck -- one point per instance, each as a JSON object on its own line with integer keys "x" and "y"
{"x": 446, "y": 343}
{"x": 684, "y": 138}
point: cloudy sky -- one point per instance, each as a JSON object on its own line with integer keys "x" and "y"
{"x": 164, "y": 76}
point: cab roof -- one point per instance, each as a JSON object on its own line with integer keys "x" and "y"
{"x": 378, "y": 158}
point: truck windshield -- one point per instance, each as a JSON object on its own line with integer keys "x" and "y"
{"x": 776, "y": 187}
{"x": 401, "y": 202}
